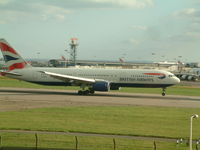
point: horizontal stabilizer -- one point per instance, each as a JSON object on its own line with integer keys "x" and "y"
{"x": 10, "y": 73}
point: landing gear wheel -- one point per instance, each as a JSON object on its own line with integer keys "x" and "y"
{"x": 91, "y": 91}
{"x": 86, "y": 92}
{"x": 80, "y": 92}
{"x": 83, "y": 90}
{"x": 164, "y": 92}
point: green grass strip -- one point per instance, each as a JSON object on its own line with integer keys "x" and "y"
{"x": 126, "y": 120}
{"x": 16, "y": 141}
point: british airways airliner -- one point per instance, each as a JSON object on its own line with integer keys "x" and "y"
{"x": 89, "y": 80}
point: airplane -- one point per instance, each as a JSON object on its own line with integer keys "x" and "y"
{"x": 89, "y": 79}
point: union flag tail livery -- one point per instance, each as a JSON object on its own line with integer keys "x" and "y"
{"x": 12, "y": 59}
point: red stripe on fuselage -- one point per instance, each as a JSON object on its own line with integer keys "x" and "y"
{"x": 5, "y": 47}
{"x": 155, "y": 74}
{"x": 17, "y": 66}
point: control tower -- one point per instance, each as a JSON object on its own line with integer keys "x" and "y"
{"x": 73, "y": 50}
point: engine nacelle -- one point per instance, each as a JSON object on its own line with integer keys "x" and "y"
{"x": 184, "y": 77}
{"x": 190, "y": 78}
{"x": 101, "y": 86}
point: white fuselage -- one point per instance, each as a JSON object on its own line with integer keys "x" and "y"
{"x": 116, "y": 77}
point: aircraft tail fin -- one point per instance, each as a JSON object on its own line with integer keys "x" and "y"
{"x": 12, "y": 59}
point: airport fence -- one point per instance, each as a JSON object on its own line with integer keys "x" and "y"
{"x": 30, "y": 141}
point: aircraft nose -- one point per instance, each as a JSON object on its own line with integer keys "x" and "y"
{"x": 176, "y": 80}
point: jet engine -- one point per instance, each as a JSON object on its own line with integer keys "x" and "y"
{"x": 101, "y": 86}
{"x": 183, "y": 77}
{"x": 190, "y": 78}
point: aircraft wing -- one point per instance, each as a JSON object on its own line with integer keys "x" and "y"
{"x": 71, "y": 79}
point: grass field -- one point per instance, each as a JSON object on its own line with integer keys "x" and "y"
{"x": 126, "y": 120}
{"x": 64, "y": 142}
{"x": 174, "y": 90}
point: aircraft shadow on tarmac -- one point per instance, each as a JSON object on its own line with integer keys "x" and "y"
{"x": 147, "y": 96}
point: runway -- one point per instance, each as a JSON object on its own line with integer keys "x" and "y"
{"x": 20, "y": 98}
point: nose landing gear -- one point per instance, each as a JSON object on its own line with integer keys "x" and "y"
{"x": 163, "y": 91}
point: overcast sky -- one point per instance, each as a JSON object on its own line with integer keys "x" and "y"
{"x": 106, "y": 29}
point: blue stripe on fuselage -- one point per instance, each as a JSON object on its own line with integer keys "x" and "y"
{"x": 140, "y": 85}
{"x": 111, "y": 84}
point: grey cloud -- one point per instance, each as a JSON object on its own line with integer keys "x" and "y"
{"x": 139, "y": 27}
{"x": 21, "y": 10}
{"x": 153, "y": 33}
{"x": 13, "y": 10}
{"x": 126, "y": 3}
{"x": 196, "y": 2}
{"x": 185, "y": 37}
{"x": 195, "y": 27}
{"x": 189, "y": 13}
{"x": 191, "y": 32}
{"x": 77, "y": 4}
{"x": 73, "y": 4}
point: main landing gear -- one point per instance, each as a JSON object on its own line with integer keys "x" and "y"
{"x": 85, "y": 92}
{"x": 163, "y": 91}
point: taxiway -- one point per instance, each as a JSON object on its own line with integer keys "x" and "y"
{"x": 21, "y": 98}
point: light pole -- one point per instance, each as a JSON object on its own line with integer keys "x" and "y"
{"x": 191, "y": 118}
{"x": 66, "y": 60}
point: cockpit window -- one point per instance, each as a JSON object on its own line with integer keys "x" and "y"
{"x": 170, "y": 76}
